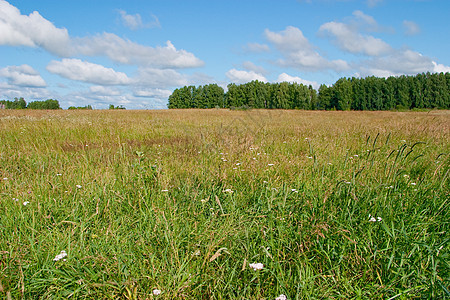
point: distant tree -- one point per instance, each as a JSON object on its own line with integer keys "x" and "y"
{"x": 47, "y": 104}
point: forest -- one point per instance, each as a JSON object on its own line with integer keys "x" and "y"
{"x": 422, "y": 91}
{"x": 20, "y": 103}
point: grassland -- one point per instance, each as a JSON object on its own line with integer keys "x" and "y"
{"x": 335, "y": 205}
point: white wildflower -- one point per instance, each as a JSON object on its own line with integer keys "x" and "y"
{"x": 5, "y": 178}
{"x": 156, "y": 292}
{"x": 373, "y": 219}
{"x": 164, "y": 190}
{"x": 26, "y": 202}
{"x": 270, "y": 164}
{"x": 228, "y": 191}
{"x": 406, "y": 176}
{"x": 281, "y": 297}
{"x": 256, "y": 266}
{"x": 413, "y": 183}
{"x": 60, "y": 256}
{"x": 59, "y": 174}
{"x": 78, "y": 186}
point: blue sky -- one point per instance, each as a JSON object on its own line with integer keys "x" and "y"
{"x": 135, "y": 53}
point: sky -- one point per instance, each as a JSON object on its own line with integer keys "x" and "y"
{"x": 134, "y": 53}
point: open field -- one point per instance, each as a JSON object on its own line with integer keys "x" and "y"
{"x": 335, "y": 205}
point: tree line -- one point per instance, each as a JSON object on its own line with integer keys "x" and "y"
{"x": 422, "y": 91}
{"x": 20, "y": 103}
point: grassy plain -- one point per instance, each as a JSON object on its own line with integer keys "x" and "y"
{"x": 335, "y": 205}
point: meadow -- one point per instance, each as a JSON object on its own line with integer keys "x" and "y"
{"x": 220, "y": 204}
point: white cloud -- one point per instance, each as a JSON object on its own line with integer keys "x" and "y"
{"x": 23, "y": 75}
{"x": 31, "y": 31}
{"x": 299, "y": 53}
{"x": 400, "y": 62}
{"x": 411, "y": 28}
{"x": 135, "y": 22}
{"x": 153, "y": 93}
{"x": 239, "y": 76}
{"x": 349, "y": 40}
{"x": 438, "y": 68}
{"x": 283, "y": 77}
{"x": 128, "y": 52}
{"x": 101, "y": 90}
{"x": 257, "y": 48}
{"x": 153, "y": 77}
{"x": 249, "y": 66}
{"x": 35, "y": 31}
{"x": 76, "y": 69}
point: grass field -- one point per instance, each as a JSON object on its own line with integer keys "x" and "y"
{"x": 335, "y": 205}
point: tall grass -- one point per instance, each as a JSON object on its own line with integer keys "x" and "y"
{"x": 335, "y": 205}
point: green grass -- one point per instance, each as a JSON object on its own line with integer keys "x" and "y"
{"x": 184, "y": 201}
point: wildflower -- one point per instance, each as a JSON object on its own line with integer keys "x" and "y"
{"x": 256, "y": 266}
{"x": 203, "y": 200}
{"x": 347, "y": 182}
{"x": 78, "y": 186}
{"x": 294, "y": 191}
{"x": 60, "y": 256}
{"x": 5, "y": 178}
{"x": 238, "y": 164}
{"x": 156, "y": 292}
{"x": 164, "y": 190}
{"x": 270, "y": 164}
{"x": 26, "y": 202}
{"x": 281, "y": 297}
{"x": 310, "y": 157}
{"x": 406, "y": 176}
{"x": 413, "y": 183}
{"x": 228, "y": 191}
{"x": 372, "y": 219}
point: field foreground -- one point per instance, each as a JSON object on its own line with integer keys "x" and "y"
{"x": 335, "y": 205}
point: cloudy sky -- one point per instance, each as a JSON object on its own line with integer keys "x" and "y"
{"x": 135, "y": 53}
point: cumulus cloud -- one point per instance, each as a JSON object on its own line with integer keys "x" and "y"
{"x": 127, "y": 52}
{"x": 35, "y": 31}
{"x": 135, "y": 22}
{"x": 240, "y": 76}
{"x": 410, "y": 27}
{"x": 23, "y": 75}
{"x": 283, "y": 77}
{"x": 348, "y": 39}
{"x": 31, "y": 31}
{"x": 299, "y": 53}
{"x": 400, "y": 62}
{"x": 76, "y": 69}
